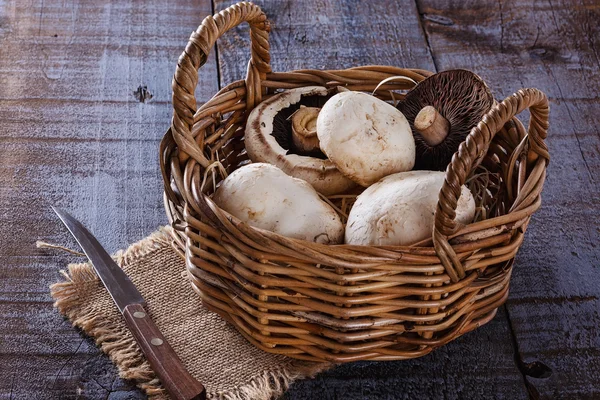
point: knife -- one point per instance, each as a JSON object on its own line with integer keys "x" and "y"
{"x": 162, "y": 358}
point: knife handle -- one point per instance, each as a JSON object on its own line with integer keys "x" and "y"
{"x": 162, "y": 358}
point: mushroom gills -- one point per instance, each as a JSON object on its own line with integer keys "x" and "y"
{"x": 283, "y": 129}
{"x": 442, "y": 110}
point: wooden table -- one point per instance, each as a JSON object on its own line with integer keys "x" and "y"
{"x": 85, "y": 98}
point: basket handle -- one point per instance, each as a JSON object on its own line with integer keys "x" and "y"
{"x": 195, "y": 55}
{"x": 471, "y": 151}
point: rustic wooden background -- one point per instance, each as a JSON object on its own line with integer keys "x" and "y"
{"x": 85, "y": 98}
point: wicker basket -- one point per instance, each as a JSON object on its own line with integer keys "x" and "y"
{"x": 344, "y": 303}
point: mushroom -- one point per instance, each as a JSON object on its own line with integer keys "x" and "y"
{"x": 366, "y": 138}
{"x": 304, "y": 129}
{"x": 263, "y": 196}
{"x": 399, "y": 209}
{"x": 281, "y": 133}
{"x": 442, "y": 110}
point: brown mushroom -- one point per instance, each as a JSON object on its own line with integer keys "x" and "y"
{"x": 270, "y": 137}
{"x": 441, "y": 111}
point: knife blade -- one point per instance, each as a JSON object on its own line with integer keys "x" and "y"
{"x": 162, "y": 358}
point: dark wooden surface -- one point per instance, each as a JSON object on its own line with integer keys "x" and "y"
{"x": 85, "y": 98}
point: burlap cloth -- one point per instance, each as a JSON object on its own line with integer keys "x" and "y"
{"x": 213, "y": 351}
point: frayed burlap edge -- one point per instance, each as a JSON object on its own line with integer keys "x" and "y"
{"x": 122, "y": 349}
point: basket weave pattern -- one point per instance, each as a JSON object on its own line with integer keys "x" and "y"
{"x": 344, "y": 303}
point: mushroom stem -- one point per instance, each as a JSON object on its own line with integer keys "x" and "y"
{"x": 304, "y": 129}
{"x": 432, "y": 125}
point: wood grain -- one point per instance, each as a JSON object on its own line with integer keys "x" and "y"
{"x": 73, "y": 134}
{"x": 330, "y": 34}
{"x": 552, "y": 45}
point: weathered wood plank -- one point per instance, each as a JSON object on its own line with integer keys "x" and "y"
{"x": 74, "y": 133}
{"x": 552, "y": 45}
{"x": 330, "y": 34}
{"x": 341, "y": 34}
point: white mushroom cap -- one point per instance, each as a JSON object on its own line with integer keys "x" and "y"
{"x": 265, "y": 197}
{"x": 366, "y": 138}
{"x": 262, "y": 146}
{"x": 399, "y": 210}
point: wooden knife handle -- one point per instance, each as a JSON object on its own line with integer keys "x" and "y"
{"x": 163, "y": 360}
